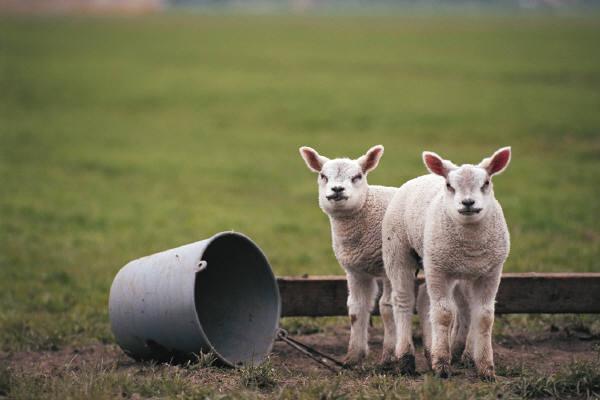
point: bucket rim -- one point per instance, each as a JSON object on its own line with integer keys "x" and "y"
{"x": 271, "y": 274}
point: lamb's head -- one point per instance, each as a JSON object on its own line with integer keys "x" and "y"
{"x": 343, "y": 186}
{"x": 469, "y": 193}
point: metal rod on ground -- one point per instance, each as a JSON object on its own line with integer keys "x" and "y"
{"x": 308, "y": 351}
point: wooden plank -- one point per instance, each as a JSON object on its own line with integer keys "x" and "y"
{"x": 534, "y": 293}
{"x": 315, "y": 296}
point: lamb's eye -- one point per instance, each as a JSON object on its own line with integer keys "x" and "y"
{"x": 449, "y": 187}
{"x": 356, "y": 178}
{"x": 324, "y": 178}
{"x": 485, "y": 185}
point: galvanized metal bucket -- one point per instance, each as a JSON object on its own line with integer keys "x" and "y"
{"x": 216, "y": 295}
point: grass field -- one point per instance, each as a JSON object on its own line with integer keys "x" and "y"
{"x": 120, "y": 137}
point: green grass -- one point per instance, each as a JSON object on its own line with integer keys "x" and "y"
{"x": 263, "y": 376}
{"x": 120, "y": 137}
{"x": 105, "y": 380}
{"x": 576, "y": 380}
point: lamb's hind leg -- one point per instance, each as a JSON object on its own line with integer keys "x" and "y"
{"x": 424, "y": 319}
{"x": 461, "y": 323}
{"x": 400, "y": 268}
{"x": 361, "y": 299}
{"x": 389, "y": 327}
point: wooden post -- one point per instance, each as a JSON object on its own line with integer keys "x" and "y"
{"x": 533, "y": 293}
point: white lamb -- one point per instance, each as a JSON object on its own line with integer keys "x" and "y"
{"x": 453, "y": 221}
{"x": 356, "y": 210}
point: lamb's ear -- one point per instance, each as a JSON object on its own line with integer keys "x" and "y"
{"x": 370, "y": 160}
{"x": 497, "y": 163}
{"x": 313, "y": 160}
{"x": 436, "y": 164}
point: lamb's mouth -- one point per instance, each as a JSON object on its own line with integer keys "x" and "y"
{"x": 336, "y": 197}
{"x": 470, "y": 211}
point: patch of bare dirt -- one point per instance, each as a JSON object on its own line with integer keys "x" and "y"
{"x": 69, "y": 357}
{"x": 544, "y": 354}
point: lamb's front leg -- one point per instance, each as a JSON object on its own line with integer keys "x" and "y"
{"x": 361, "y": 299}
{"x": 439, "y": 287}
{"x": 483, "y": 297}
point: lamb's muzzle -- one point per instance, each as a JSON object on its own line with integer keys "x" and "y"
{"x": 337, "y": 194}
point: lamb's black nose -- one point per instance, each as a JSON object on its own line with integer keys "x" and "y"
{"x": 337, "y": 189}
{"x": 468, "y": 202}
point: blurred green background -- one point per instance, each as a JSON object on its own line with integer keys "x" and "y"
{"x": 123, "y": 136}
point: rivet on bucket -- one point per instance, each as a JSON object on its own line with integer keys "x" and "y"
{"x": 216, "y": 295}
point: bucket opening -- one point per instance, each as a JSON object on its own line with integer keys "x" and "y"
{"x": 237, "y": 300}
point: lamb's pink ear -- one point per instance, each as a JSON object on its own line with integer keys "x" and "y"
{"x": 370, "y": 160}
{"x": 497, "y": 163}
{"x": 436, "y": 164}
{"x": 313, "y": 160}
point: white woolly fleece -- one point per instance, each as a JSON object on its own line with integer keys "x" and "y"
{"x": 416, "y": 217}
{"x": 357, "y": 237}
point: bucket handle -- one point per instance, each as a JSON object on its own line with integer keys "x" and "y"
{"x": 201, "y": 266}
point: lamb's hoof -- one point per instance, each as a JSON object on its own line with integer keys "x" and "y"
{"x": 457, "y": 354}
{"x": 387, "y": 364}
{"x": 466, "y": 360}
{"x": 354, "y": 358}
{"x": 427, "y": 355}
{"x": 487, "y": 374}
{"x": 441, "y": 369}
{"x": 387, "y": 355}
{"x": 406, "y": 364}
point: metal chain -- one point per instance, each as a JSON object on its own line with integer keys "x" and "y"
{"x": 310, "y": 352}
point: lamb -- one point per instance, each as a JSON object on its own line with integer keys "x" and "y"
{"x": 452, "y": 220}
{"x": 355, "y": 211}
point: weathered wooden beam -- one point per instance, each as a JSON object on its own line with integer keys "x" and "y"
{"x": 534, "y": 293}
